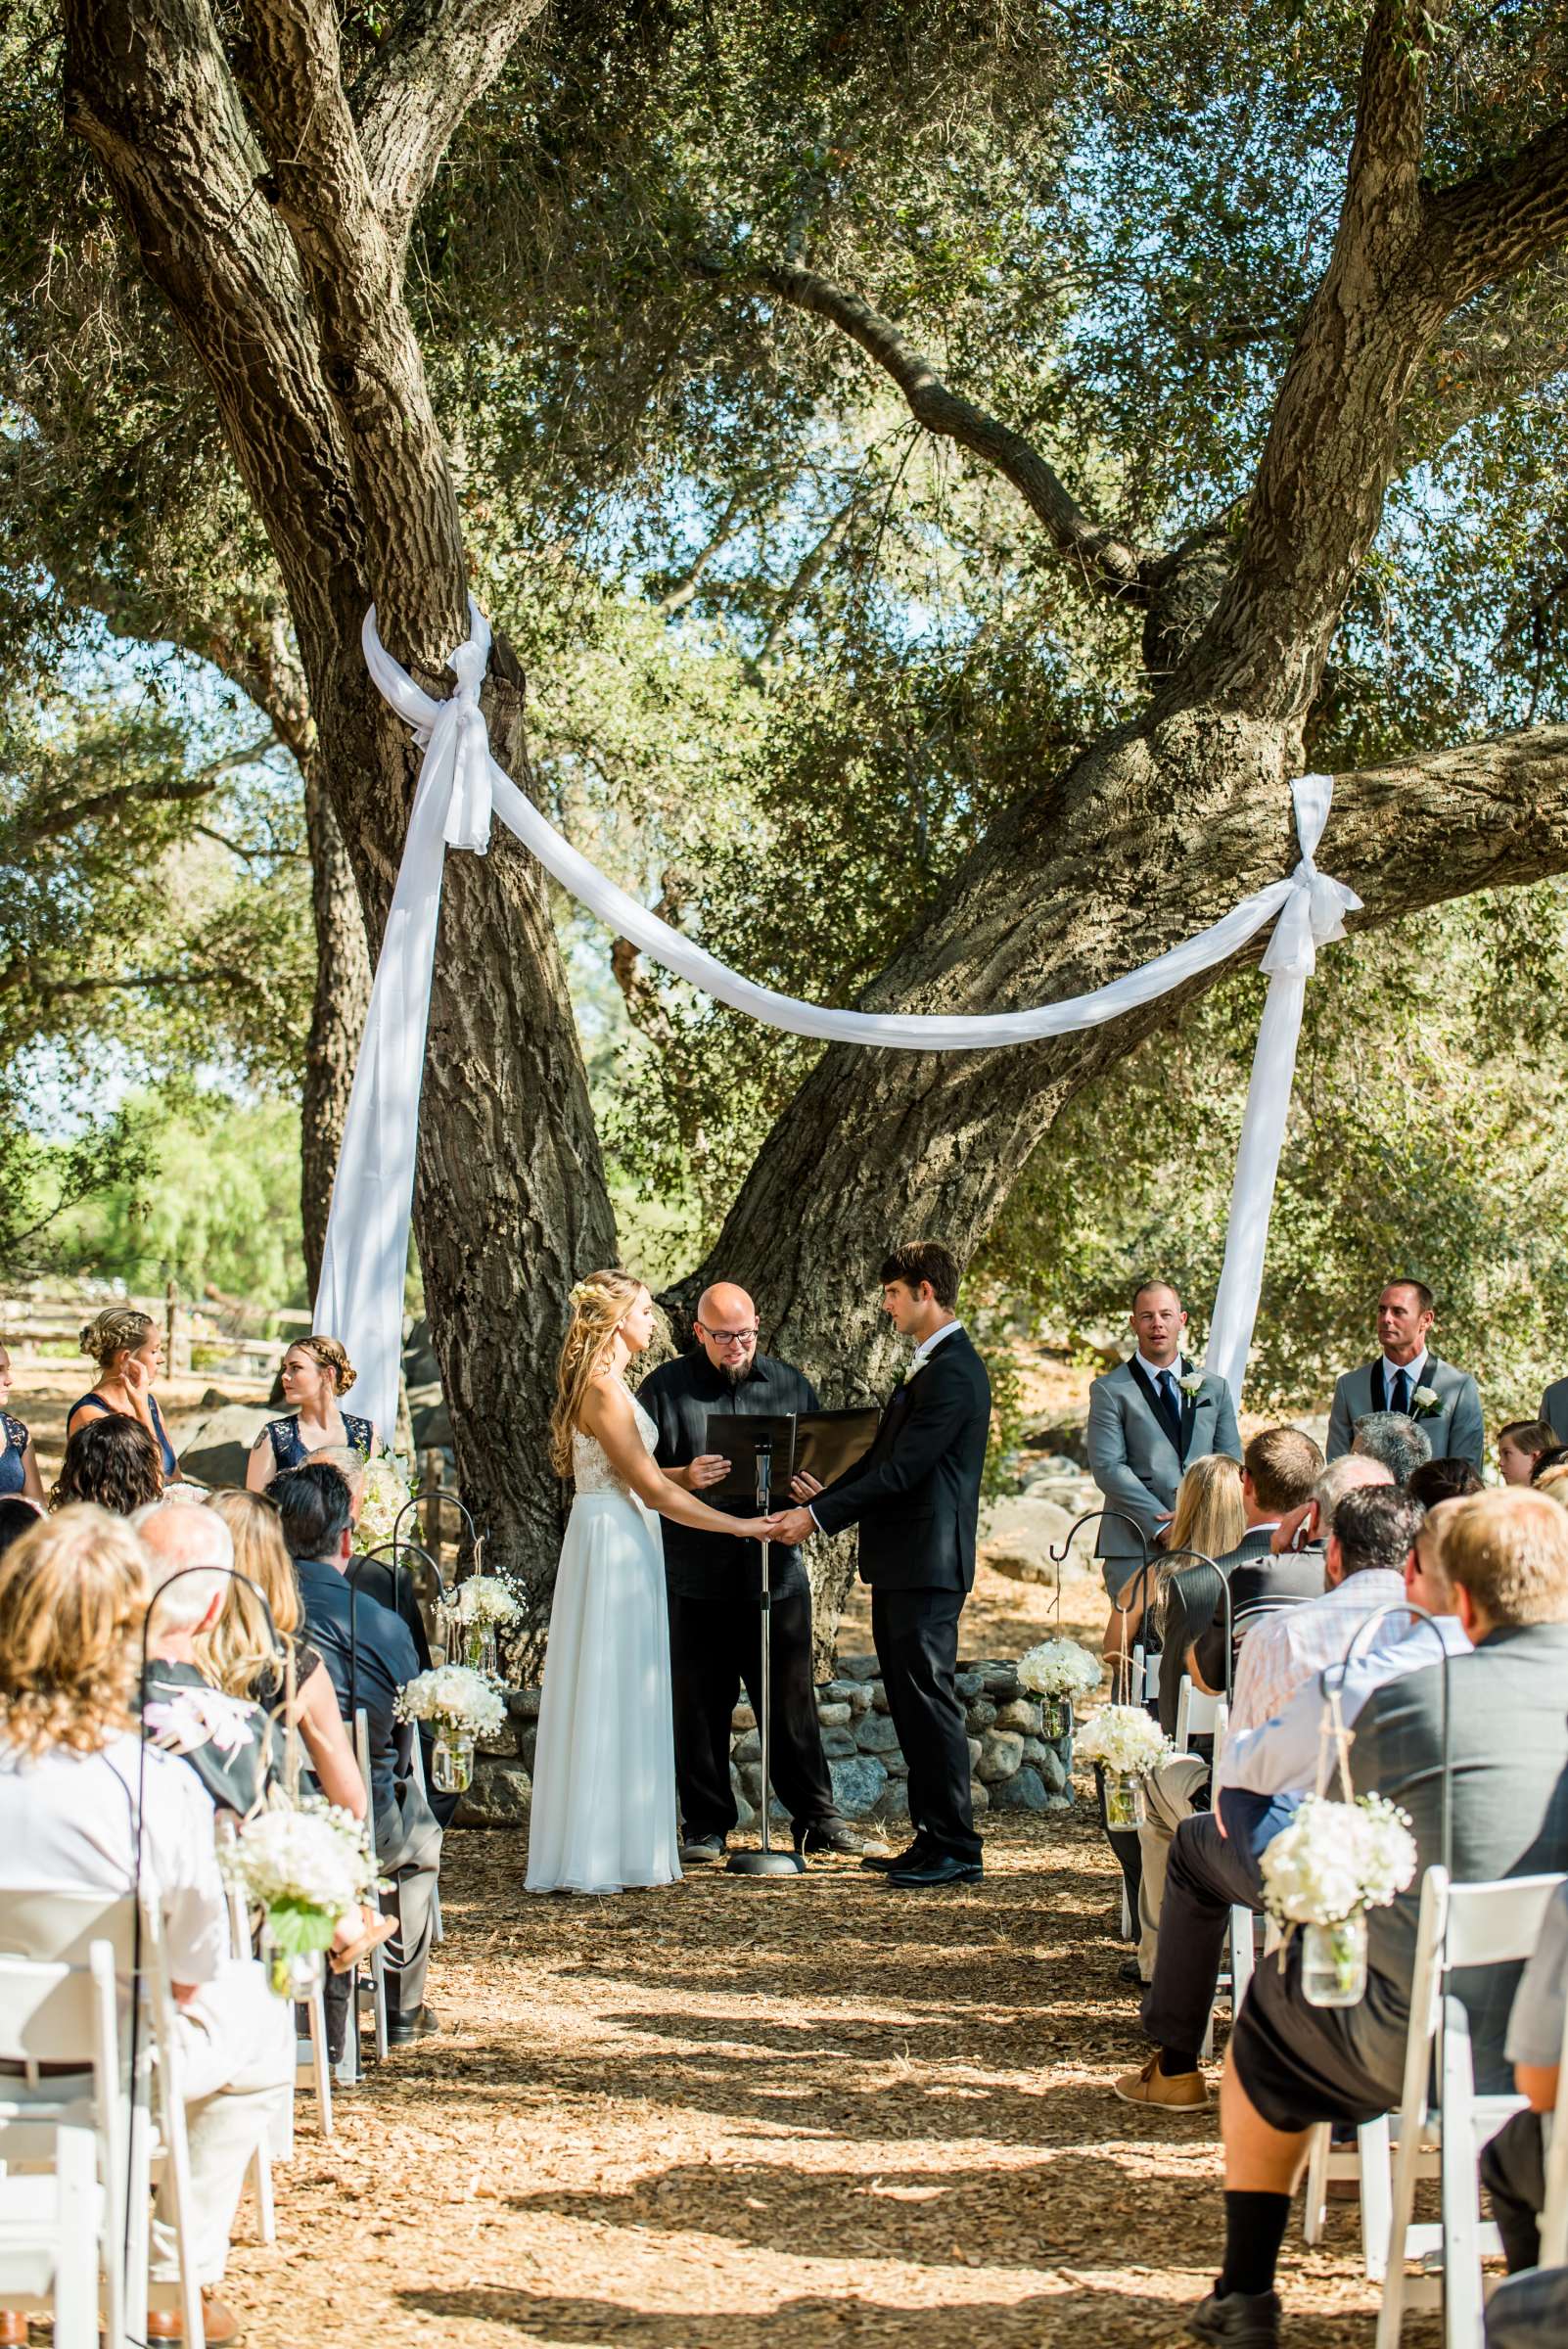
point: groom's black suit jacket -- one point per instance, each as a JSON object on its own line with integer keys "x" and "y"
{"x": 916, "y": 1495}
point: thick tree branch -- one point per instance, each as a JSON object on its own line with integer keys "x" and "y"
{"x": 1499, "y": 222}
{"x": 370, "y": 355}
{"x": 419, "y": 86}
{"x": 1105, "y": 564}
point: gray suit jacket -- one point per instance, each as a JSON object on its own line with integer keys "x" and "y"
{"x": 1554, "y": 1408}
{"x": 1508, "y": 1706}
{"x": 1133, "y": 1459}
{"x": 1455, "y": 1430}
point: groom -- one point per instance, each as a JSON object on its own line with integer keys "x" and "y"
{"x": 916, "y": 1498}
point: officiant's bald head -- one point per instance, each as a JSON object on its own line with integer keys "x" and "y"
{"x": 725, "y": 1323}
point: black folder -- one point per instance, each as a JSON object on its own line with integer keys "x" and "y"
{"x": 822, "y": 1443}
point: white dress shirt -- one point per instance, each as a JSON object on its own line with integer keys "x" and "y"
{"x": 67, "y": 1824}
{"x": 1294, "y": 1644}
{"x": 928, "y": 1347}
{"x": 1154, "y": 1371}
{"x": 1414, "y": 1371}
{"x": 1280, "y": 1755}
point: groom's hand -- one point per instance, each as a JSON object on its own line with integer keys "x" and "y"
{"x": 792, "y": 1526}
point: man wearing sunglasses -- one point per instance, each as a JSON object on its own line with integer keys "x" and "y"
{"x": 715, "y": 1625}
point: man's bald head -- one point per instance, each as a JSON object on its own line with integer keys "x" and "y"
{"x": 189, "y": 1549}
{"x": 727, "y": 1328}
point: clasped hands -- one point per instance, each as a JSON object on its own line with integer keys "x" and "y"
{"x": 786, "y": 1526}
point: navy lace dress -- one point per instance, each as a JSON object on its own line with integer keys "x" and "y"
{"x": 289, "y": 1452}
{"x": 13, "y": 1465}
{"x": 94, "y": 1402}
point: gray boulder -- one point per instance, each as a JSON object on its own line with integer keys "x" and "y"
{"x": 834, "y": 1716}
{"x": 214, "y": 1446}
{"x": 747, "y": 1748}
{"x": 876, "y": 1734}
{"x": 858, "y": 1785}
{"x": 500, "y": 1796}
{"x": 838, "y": 1744}
{"x": 1020, "y": 1713}
{"x": 1001, "y": 1754}
{"x": 1025, "y": 1790}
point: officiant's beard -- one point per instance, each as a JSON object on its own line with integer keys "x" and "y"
{"x": 735, "y": 1375}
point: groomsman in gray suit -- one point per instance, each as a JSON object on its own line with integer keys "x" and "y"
{"x": 1554, "y": 1409}
{"x": 1408, "y": 1377}
{"x": 1148, "y": 1421}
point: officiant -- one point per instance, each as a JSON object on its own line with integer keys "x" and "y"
{"x": 716, "y": 1624}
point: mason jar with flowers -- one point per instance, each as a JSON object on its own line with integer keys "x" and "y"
{"x": 1128, "y": 1745}
{"x": 461, "y": 1705}
{"x": 1058, "y": 1672}
{"x": 1324, "y": 1872}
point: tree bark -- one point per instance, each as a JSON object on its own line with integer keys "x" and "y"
{"x": 336, "y": 1012}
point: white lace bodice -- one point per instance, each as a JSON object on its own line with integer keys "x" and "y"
{"x": 591, "y": 1471}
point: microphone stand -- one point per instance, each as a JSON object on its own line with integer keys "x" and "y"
{"x": 766, "y": 1862}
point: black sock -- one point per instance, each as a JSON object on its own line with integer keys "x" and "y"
{"x": 1178, "y": 2059}
{"x": 1255, "y": 2229}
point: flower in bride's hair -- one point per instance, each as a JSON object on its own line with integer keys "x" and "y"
{"x": 582, "y": 1292}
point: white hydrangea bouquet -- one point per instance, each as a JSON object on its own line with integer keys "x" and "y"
{"x": 476, "y": 1612}
{"x": 384, "y": 1497}
{"x": 461, "y": 1705}
{"x": 1128, "y": 1745}
{"x": 1061, "y": 1671}
{"x": 1332, "y": 1864}
{"x": 307, "y": 1868}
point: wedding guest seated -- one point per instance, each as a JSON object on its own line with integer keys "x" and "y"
{"x": 1514, "y": 2163}
{"x": 1520, "y": 1445}
{"x": 1394, "y": 1439}
{"x": 1443, "y": 1480}
{"x": 189, "y": 1552}
{"x": 1213, "y": 1860}
{"x": 19, "y": 1462}
{"x": 237, "y": 1651}
{"x": 127, "y": 1351}
{"x": 370, "y": 1656}
{"x": 1209, "y": 1518}
{"x": 1290, "y": 2065}
{"x": 1180, "y": 1787}
{"x": 112, "y": 1461}
{"x": 74, "y": 1778}
{"x": 1371, "y": 1537}
{"x": 1279, "y": 1472}
{"x": 315, "y": 1372}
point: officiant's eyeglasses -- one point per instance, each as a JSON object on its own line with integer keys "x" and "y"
{"x": 728, "y": 1337}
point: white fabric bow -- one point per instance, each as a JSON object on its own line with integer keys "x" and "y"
{"x": 360, "y": 1298}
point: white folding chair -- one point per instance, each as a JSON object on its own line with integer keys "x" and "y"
{"x": 351, "y": 2069}
{"x": 1555, "y": 2209}
{"x": 57, "y": 2226}
{"x": 1369, "y": 2161}
{"x": 98, "y": 2119}
{"x": 1199, "y": 1715}
{"x": 1463, "y": 1926}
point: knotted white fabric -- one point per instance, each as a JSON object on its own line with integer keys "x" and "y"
{"x": 359, "y": 1296}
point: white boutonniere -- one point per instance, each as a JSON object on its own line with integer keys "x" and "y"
{"x": 1192, "y": 1385}
{"x": 1426, "y": 1404}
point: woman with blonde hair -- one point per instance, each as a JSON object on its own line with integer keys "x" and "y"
{"x": 317, "y": 1371}
{"x": 603, "y": 1815}
{"x": 124, "y": 1344}
{"x": 1209, "y": 1518}
{"x": 237, "y": 1656}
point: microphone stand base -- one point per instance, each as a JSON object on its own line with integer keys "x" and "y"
{"x": 765, "y": 1864}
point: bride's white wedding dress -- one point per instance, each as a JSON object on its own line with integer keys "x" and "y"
{"x": 603, "y": 1815}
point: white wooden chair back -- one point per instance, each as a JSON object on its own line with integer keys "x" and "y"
{"x": 1460, "y": 1926}
{"x": 1555, "y": 2209}
{"x": 1199, "y": 1715}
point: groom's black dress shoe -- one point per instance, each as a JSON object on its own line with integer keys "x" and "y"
{"x": 696, "y": 1849}
{"x": 935, "y": 1868}
{"x": 886, "y": 1862}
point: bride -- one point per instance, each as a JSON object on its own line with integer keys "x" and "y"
{"x": 604, "y": 1770}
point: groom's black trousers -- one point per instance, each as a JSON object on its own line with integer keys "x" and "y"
{"x": 917, "y": 1636}
{"x": 714, "y": 1645}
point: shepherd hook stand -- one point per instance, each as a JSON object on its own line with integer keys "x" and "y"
{"x": 766, "y": 1862}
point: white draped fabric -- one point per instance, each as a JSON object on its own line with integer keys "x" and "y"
{"x": 359, "y": 1296}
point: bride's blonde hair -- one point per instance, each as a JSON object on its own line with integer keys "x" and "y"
{"x": 599, "y": 1306}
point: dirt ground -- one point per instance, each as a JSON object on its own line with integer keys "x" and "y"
{"x": 738, "y": 2113}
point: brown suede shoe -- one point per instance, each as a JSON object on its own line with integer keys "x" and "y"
{"x": 1178, "y": 2091}
{"x": 218, "y": 2321}
{"x": 13, "y": 2328}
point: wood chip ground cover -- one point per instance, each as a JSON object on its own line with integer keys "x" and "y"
{"x": 736, "y": 2113}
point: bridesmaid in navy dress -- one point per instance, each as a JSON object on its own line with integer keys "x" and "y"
{"x": 19, "y": 1462}
{"x": 317, "y": 1371}
{"x": 128, "y": 1352}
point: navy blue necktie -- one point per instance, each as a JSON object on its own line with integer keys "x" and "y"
{"x": 1400, "y": 1397}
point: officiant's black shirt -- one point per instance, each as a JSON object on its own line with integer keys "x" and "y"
{"x": 679, "y": 1396}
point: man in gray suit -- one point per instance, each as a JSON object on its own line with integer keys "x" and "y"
{"x": 1408, "y": 1379}
{"x": 1554, "y": 1409}
{"x": 1148, "y": 1421}
{"x": 1290, "y": 2065}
